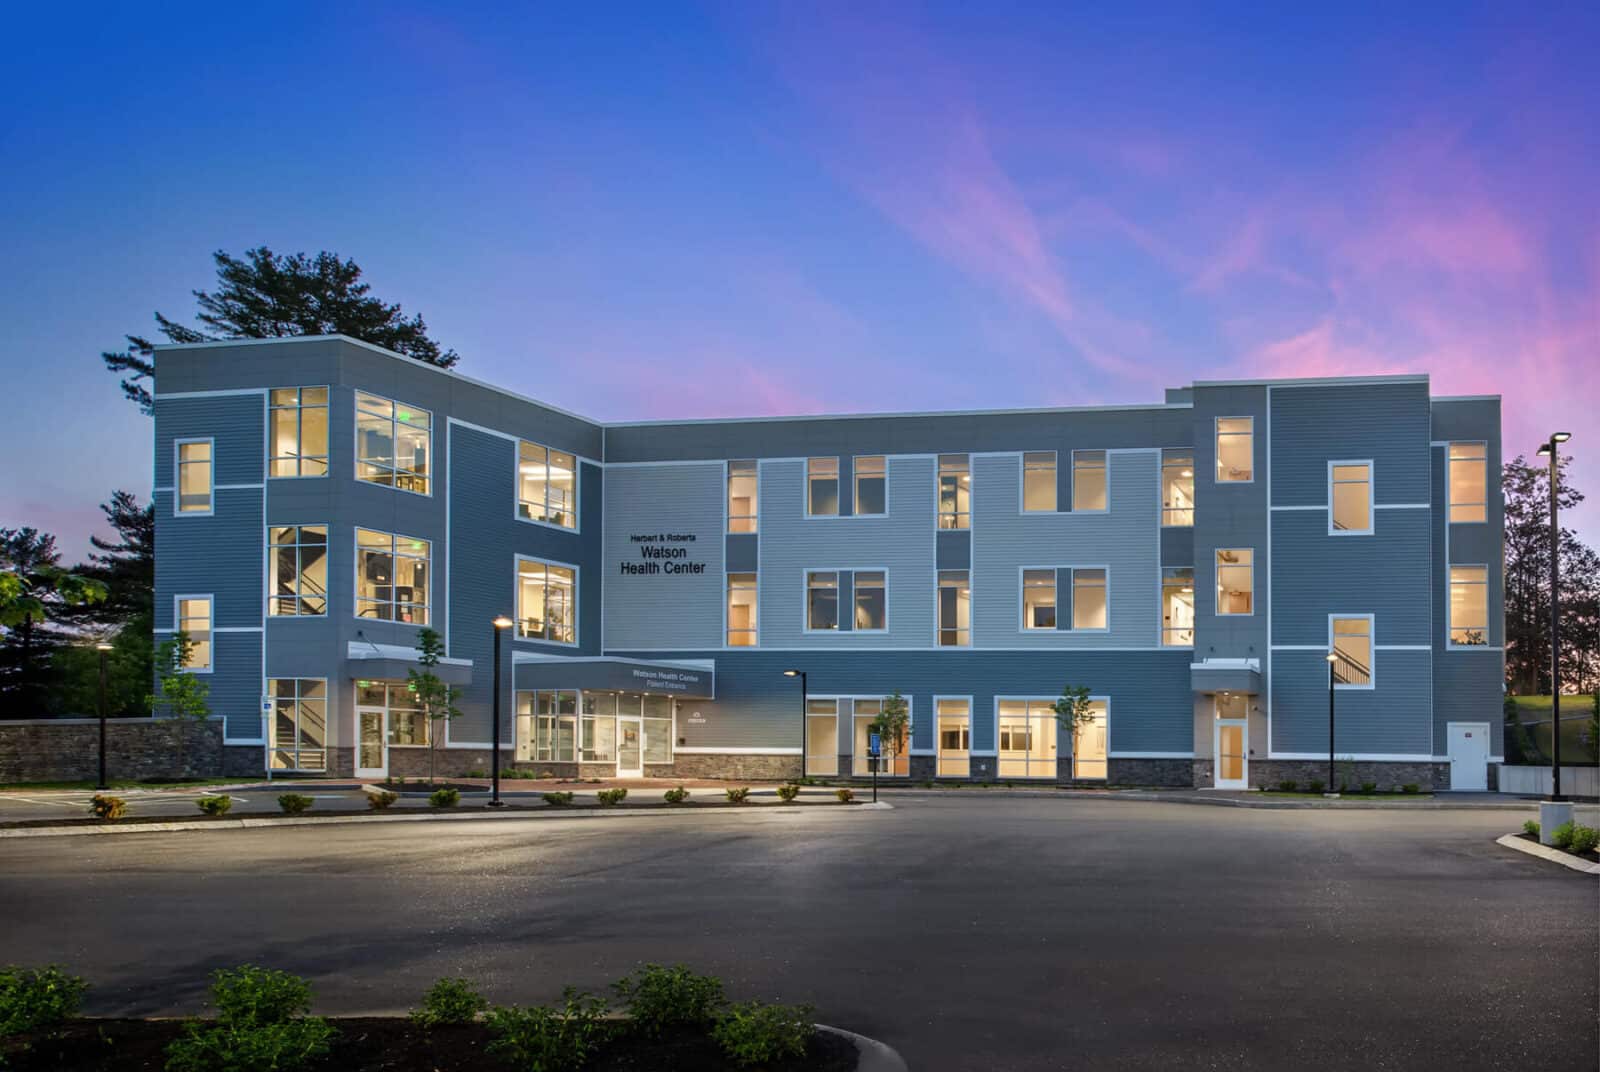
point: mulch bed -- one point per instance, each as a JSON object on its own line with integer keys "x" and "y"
{"x": 425, "y": 788}
{"x": 394, "y": 1044}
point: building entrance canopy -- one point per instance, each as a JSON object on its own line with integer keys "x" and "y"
{"x": 693, "y": 678}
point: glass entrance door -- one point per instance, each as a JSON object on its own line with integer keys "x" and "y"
{"x": 630, "y": 748}
{"x": 372, "y": 742}
{"x": 1232, "y": 742}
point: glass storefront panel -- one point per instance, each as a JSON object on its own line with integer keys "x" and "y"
{"x": 955, "y": 742}
{"x": 1027, "y": 739}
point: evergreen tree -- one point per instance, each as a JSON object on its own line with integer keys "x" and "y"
{"x": 126, "y": 565}
{"x": 33, "y": 589}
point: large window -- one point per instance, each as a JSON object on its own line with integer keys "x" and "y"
{"x": 822, "y": 487}
{"x": 1469, "y": 605}
{"x": 547, "y": 726}
{"x": 1039, "y": 599}
{"x": 871, "y": 602}
{"x": 1177, "y": 487}
{"x": 955, "y": 609}
{"x": 955, "y": 737}
{"x": 894, "y": 758}
{"x": 1027, "y": 745}
{"x": 391, "y": 577}
{"x": 1236, "y": 440}
{"x": 546, "y": 601}
{"x": 1236, "y": 580}
{"x": 299, "y": 725}
{"x": 195, "y": 476}
{"x": 872, "y": 488}
{"x": 1177, "y": 607}
{"x": 1469, "y": 481}
{"x": 393, "y": 443}
{"x": 408, "y": 724}
{"x": 597, "y": 733}
{"x": 822, "y": 600}
{"x": 742, "y": 610}
{"x": 657, "y": 725}
{"x": 1039, "y": 481}
{"x": 743, "y": 485}
{"x": 955, "y": 491}
{"x": 1089, "y": 741}
{"x": 547, "y": 485}
{"x": 193, "y": 619}
{"x": 297, "y": 432}
{"x": 1351, "y": 641}
{"x": 1350, "y": 498}
{"x": 299, "y": 570}
{"x": 1089, "y": 599}
{"x": 822, "y": 737}
{"x": 1089, "y": 480}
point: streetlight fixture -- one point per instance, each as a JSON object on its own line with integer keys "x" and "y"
{"x": 801, "y": 674}
{"x": 104, "y": 649}
{"x": 1333, "y": 657}
{"x": 1550, "y": 450}
{"x": 501, "y": 624}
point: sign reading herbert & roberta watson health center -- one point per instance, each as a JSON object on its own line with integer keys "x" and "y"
{"x": 664, "y": 553}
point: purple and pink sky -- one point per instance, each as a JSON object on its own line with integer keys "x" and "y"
{"x": 676, "y": 211}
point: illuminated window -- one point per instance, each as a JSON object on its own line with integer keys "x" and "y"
{"x": 1089, "y": 480}
{"x": 547, "y": 485}
{"x": 546, "y": 601}
{"x": 1350, "y": 498}
{"x": 194, "y": 621}
{"x": 393, "y": 442}
{"x": 1351, "y": 640}
{"x": 822, "y": 737}
{"x": 299, "y": 725}
{"x": 955, "y": 737}
{"x": 597, "y": 732}
{"x": 391, "y": 577}
{"x": 955, "y": 491}
{"x": 1236, "y": 580}
{"x": 1177, "y": 607}
{"x": 1469, "y": 481}
{"x": 742, "y": 501}
{"x": 1027, "y": 739}
{"x": 1039, "y": 599}
{"x": 871, "y": 602}
{"x": 1088, "y": 599}
{"x": 822, "y": 487}
{"x": 1469, "y": 605}
{"x": 822, "y": 600}
{"x": 893, "y": 756}
{"x": 1235, "y": 449}
{"x": 547, "y": 727}
{"x": 1089, "y": 743}
{"x": 1177, "y": 487}
{"x": 298, "y": 557}
{"x": 195, "y": 481}
{"x": 955, "y": 609}
{"x": 1039, "y": 481}
{"x": 742, "y": 610}
{"x": 297, "y": 432}
{"x": 871, "y": 485}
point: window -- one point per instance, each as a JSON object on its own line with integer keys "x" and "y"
{"x": 1350, "y": 498}
{"x": 597, "y": 741}
{"x": 299, "y": 726}
{"x": 1088, "y": 599}
{"x": 822, "y": 487}
{"x": 1469, "y": 605}
{"x": 194, "y": 476}
{"x": 742, "y": 610}
{"x": 822, "y": 601}
{"x": 1351, "y": 641}
{"x": 1469, "y": 481}
{"x": 871, "y": 485}
{"x": 1235, "y": 450}
{"x": 955, "y": 491}
{"x": 1089, "y": 480}
{"x": 546, "y": 603}
{"x": 657, "y": 725}
{"x": 1236, "y": 580}
{"x": 297, "y": 432}
{"x": 1039, "y": 481}
{"x": 392, "y": 443}
{"x": 1039, "y": 599}
{"x": 871, "y": 605}
{"x": 1027, "y": 746}
{"x": 955, "y": 738}
{"x": 1089, "y": 744}
{"x": 1177, "y": 607}
{"x": 547, "y": 727}
{"x": 955, "y": 609}
{"x": 1177, "y": 487}
{"x": 822, "y": 737}
{"x": 547, "y": 485}
{"x": 193, "y": 619}
{"x": 299, "y": 570}
{"x": 391, "y": 577}
{"x": 408, "y": 726}
{"x": 743, "y": 482}
{"x": 893, "y": 758}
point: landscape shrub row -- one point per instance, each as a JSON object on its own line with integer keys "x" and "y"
{"x": 1289, "y": 785}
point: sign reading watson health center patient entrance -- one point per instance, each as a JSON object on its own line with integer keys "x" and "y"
{"x": 663, "y": 553}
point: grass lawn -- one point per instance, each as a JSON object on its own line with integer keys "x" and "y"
{"x": 1575, "y": 713}
{"x": 123, "y": 783}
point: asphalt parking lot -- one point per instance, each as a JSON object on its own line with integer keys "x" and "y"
{"x": 1001, "y": 933}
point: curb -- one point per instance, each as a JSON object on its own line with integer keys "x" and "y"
{"x": 872, "y": 1055}
{"x": 1544, "y": 852}
{"x": 1229, "y": 802}
{"x": 424, "y": 817}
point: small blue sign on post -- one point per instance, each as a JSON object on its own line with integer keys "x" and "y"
{"x": 874, "y": 745}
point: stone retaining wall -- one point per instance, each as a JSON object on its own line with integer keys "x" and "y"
{"x": 68, "y": 749}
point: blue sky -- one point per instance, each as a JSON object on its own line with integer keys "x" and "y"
{"x": 677, "y": 211}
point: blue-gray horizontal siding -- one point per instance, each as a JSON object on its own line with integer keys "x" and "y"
{"x": 219, "y": 554}
{"x": 1387, "y": 423}
{"x": 235, "y": 422}
{"x": 1469, "y": 687}
{"x": 658, "y": 501}
{"x": 235, "y": 683}
{"x": 1395, "y": 718}
{"x": 1315, "y": 575}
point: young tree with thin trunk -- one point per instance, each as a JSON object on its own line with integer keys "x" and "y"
{"x": 436, "y": 699}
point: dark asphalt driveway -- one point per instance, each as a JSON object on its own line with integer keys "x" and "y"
{"x": 998, "y": 933}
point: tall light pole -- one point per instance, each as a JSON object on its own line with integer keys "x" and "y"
{"x": 501, "y": 624}
{"x": 1333, "y": 657}
{"x": 1549, "y": 450}
{"x": 104, "y": 650}
{"x": 801, "y": 674}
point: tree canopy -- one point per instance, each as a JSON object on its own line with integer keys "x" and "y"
{"x": 1527, "y": 592}
{"x": 266, "y": 295}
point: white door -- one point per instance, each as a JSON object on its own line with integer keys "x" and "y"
{"x": 372, "y": 742}
{"x": 630, "y": 748}
{"x": 1469, "y": 756}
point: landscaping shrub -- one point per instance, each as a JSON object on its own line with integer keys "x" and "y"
{"x": 476, "y": 773}
{"x": 106, "y": 807}
{"x": 675, "y": 796}
{"x": 845, "y": 795}
{"x": 609, "y": 797}
{"x": 557, "y": 800}
{"x": 215, "y": 805}
{"x": 36, "y": 999}
{"x": 1561, "y": 836}
{"x": 1288, "y": 786}
{"x": 756, "y": 1034}
{"x": 1411, "y": 787}
{"x": 1531, "y": 827}
{"x": 449, "y": 1001}
{"x": 261, "y": 1026}
{"x": 381, "y": 799}
{"x": 1584, "y": 839}
{"x": 1369, "y": 787}
{"x": 658, "y": 998}
{"x": 1314, "y": 787}
{"x": 294, "y": 803}
{"x": 739, "y": 795}
{"x": 444, "y": 798}
{"x": 540, "y": 1039}
{"x": 787, "y": 793}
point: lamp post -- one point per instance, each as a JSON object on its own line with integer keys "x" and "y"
{"x": 1333, "y": 657}
{"x": 1550, "y": 450}
{"x": 104, "y": 650}
{"x": 501, "y": 624}
{"x": 801, "y": 674}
